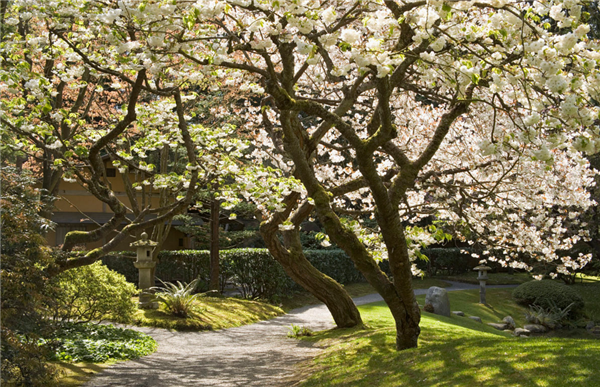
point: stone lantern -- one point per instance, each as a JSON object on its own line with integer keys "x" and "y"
{"x": 482, "y": 277}
{"x": 145, "y": 265}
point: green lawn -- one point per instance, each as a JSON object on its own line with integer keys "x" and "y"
{"x": 454, "y": 351}
{"x": 493, "y": 278}
{"x": 496, "y": 309}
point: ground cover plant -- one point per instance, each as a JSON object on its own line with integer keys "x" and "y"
{"x": 98, "y": 343}
{"x": 453, "y": 351}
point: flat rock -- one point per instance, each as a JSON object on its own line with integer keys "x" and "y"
{"x": 499, "y": 326}
{"x": 510, "y": 321}
{"x": 476, "y": 318}
{"x": 438, "y": 298}
{"x": 521, "y": 332}
{"x": 536, "y": 328}
{"x": 458, "y": 313}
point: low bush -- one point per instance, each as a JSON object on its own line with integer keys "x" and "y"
{"x": 336, "y": 264}
{"x": 177, "y": 298}
{"x": 97, "y": 343}
{"x": 257, "y": 273}
{"x": 449, "y": 261}
{"x": 548, "y": 295}
{"x": 92, "y": 292}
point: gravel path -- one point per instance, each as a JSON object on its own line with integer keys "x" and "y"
{"x": 253, "y": 355}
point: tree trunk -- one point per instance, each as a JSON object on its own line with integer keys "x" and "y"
{"x": 326, "y": 289}
{"x": 214, "y": 245}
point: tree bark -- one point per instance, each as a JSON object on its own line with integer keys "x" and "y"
{"x": 215, "y": 207}
{"x": 324, "y": 288}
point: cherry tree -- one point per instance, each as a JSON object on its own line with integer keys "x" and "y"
{"x": 74, "y": 104}
{"x": 472, "y": 113}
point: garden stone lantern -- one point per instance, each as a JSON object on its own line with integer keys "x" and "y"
{"x": 482, "y": 277}
{"x": 145, "y": 265}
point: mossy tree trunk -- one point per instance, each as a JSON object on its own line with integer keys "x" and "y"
{"x": 298, "y": 267}
{"x": 387, "y": 194}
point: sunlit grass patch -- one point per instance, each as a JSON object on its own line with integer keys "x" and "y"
{"x": 210, "y": 313}
{"x": 453, "y": 351}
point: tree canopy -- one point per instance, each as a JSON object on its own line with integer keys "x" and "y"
{"x": 475, "y": 114}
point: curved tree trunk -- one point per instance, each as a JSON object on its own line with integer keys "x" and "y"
{"x": 294, "y": 263}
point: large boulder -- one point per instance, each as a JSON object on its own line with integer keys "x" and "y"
{"x": 510, "y": 321}
{"x": 438, "y": 298}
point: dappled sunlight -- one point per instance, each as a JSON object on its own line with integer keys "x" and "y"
{"x": 453, "y": 351}
{"x": 211, "y": 313}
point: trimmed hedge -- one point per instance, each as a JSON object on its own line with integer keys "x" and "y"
{"x": 336, "y": 264}
{"x": 255, "y": 271}
{"x": 449, "y": 261}
{"x": 548, "y": 294}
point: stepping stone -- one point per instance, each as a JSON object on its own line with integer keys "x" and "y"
{"x": 458, "y": 313}
{"x": 499, "y": 326}
{"x": 521, "y": 332}
{"x": 476, "y": 318}
{"x": 536, "y": 328}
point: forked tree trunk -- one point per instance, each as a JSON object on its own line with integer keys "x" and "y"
{"x": 326, "y": 289}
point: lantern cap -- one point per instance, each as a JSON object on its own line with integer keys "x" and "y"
{"x": 482, "y": 268}
{"x": 143, "y": 241}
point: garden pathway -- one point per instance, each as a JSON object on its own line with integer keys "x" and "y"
{"x": 253, "y": 355}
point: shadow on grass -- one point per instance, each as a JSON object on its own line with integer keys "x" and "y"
{"x": 475, "y": 361}
{"x": 76, "y": 374}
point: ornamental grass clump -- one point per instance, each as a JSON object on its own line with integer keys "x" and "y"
{"x": 177, "y": 298}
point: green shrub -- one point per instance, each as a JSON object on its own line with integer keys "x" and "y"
{"x": 548, "y": 295}
{"x": 450, "y": 261}
{"x": 336, "y": 264}
{"x": 98, "y": 343}
{"x": 257, "y": 273}
{"x": 189, "y": 265}
{"x": 92, "y": 292}
{"x": 24, "y": 280}
{"x": 177, "y": 298}
{"x": 122, "y": 263}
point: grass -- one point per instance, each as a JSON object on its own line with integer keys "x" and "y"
{"x": 493, "y": 278}
{"x": 77, "y": 374}
{"x": 209, "y": 313}
{"x": 499, "y": 305}
{"x": 453, "y": 351}
{"x": 301, "y": 299}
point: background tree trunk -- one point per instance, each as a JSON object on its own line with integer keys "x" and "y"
{"x": 215, "y": 207}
